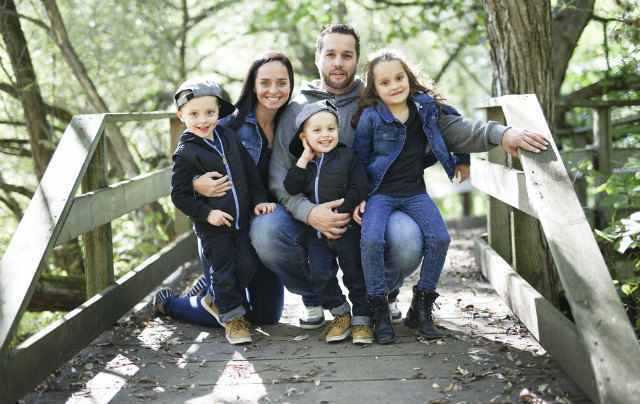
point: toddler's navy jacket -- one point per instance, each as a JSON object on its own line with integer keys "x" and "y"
{"x": 334, "y": 175}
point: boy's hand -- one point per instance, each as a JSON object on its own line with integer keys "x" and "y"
{"x": 513, "y": 139}
{"x": 219, "y": 218}
{"x": 358, "y": 212}
{"x": 264, "y": 208}
{"x": 461, "y": 173}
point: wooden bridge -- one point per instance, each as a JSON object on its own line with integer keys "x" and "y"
{"x": 532, "y": 201}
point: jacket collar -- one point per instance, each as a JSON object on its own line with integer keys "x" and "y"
{"x": 420, "y": 99}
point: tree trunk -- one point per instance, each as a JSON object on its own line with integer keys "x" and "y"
{"x": 119, "y": 152}
{"x": 69, "y": 257}
{"x": 57, "y": 293}
{"x": 27, "y": 86}
{"x": 570, "y": 17}
{"x": 520, "y": 36}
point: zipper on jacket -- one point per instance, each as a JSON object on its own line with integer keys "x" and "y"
{"x": 228, "y": 168}
{"x": 315, "y": 184}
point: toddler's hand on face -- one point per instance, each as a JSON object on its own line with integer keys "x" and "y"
{"x": 307, "y": 154}
{"x": 264, "y": 208}
{"x": 219, "y": 218}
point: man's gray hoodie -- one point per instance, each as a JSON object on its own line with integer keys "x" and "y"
{"x": 460, "y": 135}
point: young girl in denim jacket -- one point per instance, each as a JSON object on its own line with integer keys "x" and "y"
{"x": 402, "y": 126}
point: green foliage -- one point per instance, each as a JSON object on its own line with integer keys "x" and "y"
{"x": 622, "y": 189}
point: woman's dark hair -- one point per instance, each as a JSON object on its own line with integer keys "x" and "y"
{"x": 248, "y": 100}
{"x": 369, "y": 95}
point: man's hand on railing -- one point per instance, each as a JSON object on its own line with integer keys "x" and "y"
{"x": 514, "y": 139}
{"x": 212, "y": 184}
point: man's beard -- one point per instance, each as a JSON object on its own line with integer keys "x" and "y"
{"x": 329, "y": 82}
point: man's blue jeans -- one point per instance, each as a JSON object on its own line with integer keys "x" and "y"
{"x": 379, "y": 215}
{"x": 279, "y": 241}
{"x": 264, "y": 299}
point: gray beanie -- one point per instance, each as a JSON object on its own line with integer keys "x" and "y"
{"x": 202, "y": 87}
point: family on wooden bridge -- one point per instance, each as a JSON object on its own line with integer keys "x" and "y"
{"x": 281, "y": 191}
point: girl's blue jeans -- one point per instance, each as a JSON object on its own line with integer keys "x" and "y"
{"x": 436, "y": 239}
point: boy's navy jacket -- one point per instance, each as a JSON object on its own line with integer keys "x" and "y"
{"x": 334, "y": 175}
{"x": 380, "y": 138}
{"x": 194, "y": 157}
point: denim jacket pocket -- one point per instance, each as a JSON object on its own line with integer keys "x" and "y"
{"x": 384, "y": 140}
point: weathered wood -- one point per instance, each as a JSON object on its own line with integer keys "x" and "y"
{"x": 602, "y": 139}
{"x": 97, "y": 208}
{"x": 498, "y": 214}
{"x": 181, "y": 221}
{"x": 43, "y": 219}
{"x": 599, "y": 316}
{"x": 549, "y": 326}
{"x": 37, "y": 357}
{"x": 506, "y": 184}
{"x": 113, "y": 117}
{"x": 98, "y": 245}
{"x": 598, "y": 104}
{"x": 531, "y": 257}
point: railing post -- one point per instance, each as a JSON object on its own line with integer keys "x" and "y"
{"x": 181, "y": 222}
{"x": 498, "y": 218}
{"x": 602, "y": 157}
{"x": 98, "y": 243}
{"x": 531, "y": 256}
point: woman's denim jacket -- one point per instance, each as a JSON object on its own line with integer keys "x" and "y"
{"x": 249, "y": 133}
{"x": 380, "y": 138}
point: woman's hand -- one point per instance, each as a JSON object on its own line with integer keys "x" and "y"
{"x": 219, "y": 218}
{"x": 358, "y": 212}
{"x": 212, "y": 184}
{"x": 264, "y": 208}
{"x": 514, "y": 139}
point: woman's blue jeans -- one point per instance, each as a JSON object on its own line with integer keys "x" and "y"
{"x": 378, "y": 216}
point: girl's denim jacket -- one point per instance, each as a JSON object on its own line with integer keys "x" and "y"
{"x": 380, "y": 137}
{"x": 248, "y": 132}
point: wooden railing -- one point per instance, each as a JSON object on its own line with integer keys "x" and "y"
{"x": 56, "y": 215}
{"x": 533, "y": 206}
{"x": 604, "y": 157}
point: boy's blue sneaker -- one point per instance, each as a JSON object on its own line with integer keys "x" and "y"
{"x": 158, "y": 301}
{"x": 199, "y": 288}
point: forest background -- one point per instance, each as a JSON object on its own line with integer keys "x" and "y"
{"x": 61, "y": 58}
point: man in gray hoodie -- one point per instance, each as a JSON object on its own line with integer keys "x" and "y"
{"x": 277, "y": 237}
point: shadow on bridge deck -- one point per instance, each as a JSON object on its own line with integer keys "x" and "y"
{"x": 488, "y": 357}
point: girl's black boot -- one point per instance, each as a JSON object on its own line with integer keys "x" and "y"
{"x": 381, "y": 320}
{"x": 420, "y": 314}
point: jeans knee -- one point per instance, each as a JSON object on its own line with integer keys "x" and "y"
{"x": 372, "y": 243}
